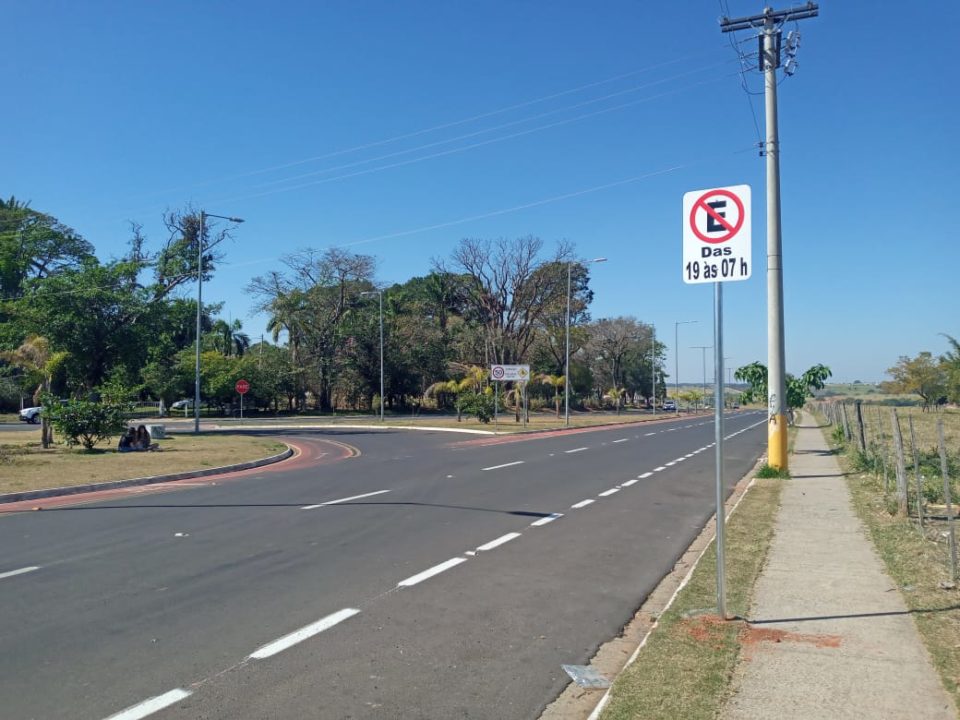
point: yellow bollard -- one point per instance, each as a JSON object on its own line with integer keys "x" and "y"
{"x": 777, "y": 441}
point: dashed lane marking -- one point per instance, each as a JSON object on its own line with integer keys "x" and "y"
{"x": 343, "y": 500}
{"x": 429, "y": 573}
{"x": 298, "y": 636}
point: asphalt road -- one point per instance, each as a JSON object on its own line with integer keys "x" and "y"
{"x": 432, "y": 576}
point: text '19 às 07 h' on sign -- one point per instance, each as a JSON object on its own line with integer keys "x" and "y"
{"x": 716, "y": 235}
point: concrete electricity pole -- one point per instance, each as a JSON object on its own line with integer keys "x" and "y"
{"x": 769, "y": 22}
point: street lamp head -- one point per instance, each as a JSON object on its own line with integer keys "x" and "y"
{"x": 235, "y": 220}
{"x": 599, "y": 259}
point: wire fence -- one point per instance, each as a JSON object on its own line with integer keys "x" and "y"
{"x": 915, "y": 457}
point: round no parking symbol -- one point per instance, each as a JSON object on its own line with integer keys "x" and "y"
{"x": 717, "y": 216}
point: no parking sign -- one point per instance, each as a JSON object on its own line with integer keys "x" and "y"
{"x": 716, "y": 235}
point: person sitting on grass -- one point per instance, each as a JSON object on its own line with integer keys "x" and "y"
{"x": 142, "y": 440}
{"x": 127, "y": 441}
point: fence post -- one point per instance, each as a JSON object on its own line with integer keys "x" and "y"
{"x": 846, "y": 422}
{"x": 860, "y": 435}
{"x": 916, "y": 473}
{"x": 883, "y": 451}
{"x": 946, "y": 499}
{"x": 901, "y": 464}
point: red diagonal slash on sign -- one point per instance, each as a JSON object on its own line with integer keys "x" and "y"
{"x": 701, "y": 204}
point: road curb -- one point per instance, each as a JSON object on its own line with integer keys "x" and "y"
{"x": 116, "y": 484}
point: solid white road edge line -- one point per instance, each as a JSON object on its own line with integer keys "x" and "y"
{"x": 548, "y": 519}
{"x": 308, "y": 631}
{"x": 509, "y": 464}
{"x": 498, "y": 542}
{"x": 435, "y": 570}
{"x": 343, "y": 500}
{"x": 21, "y": 571}
{"x": 582, "y": 503}
{"x": 148, "y": 707}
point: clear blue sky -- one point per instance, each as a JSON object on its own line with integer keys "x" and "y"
{"x": 115, "y": 111}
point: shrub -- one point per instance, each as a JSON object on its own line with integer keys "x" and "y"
{"x": 479, "y": 405}
{"x": 86, "y": 423}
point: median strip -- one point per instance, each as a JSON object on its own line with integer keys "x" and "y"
{"x": 288, "y": 641}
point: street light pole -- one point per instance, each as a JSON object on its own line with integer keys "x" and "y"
{"x": 379, "y": 294}
{"x": 703, "y": 351}
{"x": 653, "y": 365}
{"x": 196, "y": 370}
{"x": 566, "y": 361}
{"x": 676, "y": 358}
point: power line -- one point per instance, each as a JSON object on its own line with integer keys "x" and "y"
{"x": 464, "y": 148}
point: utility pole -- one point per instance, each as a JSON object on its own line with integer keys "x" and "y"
{"x": 703, "y": 352}
{"x": 770, "y": 22}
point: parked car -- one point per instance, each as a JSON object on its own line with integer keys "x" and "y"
{"x": 669, "y": 405}
{"x": 182, "y": 405}
{"x": 31, "y": 415}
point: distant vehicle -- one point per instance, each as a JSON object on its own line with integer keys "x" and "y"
{"x": 669, "y": 405}
{"x": 31, "y": 415}
{"x": 736, "y": 406}
{"x": 182, "y": 405}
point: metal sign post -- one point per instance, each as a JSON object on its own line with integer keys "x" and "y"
{"x": 717, "y": 248}
{"x": 242, "y": 387}
{"x": 496, "y": 407}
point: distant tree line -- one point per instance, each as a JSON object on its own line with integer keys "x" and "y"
{"x": 76, "y": 326}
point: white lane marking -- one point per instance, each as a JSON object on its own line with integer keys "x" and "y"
{"x": 689, "y": 455}
{"x": 435, "y": 570}
{"x": 343, "y": 500}
{"x": 680, "y": 459}
{"x": 148, "y": 707}
{"x": 621, "y": 440}
{"x": 645, "y": 475}
{"x": 548, "y": 519}
{"x": 509, "y": 464}
{"x": 21, "y": 571}
{"x": 628, "y": 483}
{"x": 648, "y": 434}
{"x": 308, "y": 631}
{"x": 582, "y": 503}
{"x": 575, "y": 450}
{"x": 671, "y": 463}
{"x": 658, "y": 469}
{"x": 687, "y": 426}
{"x": 498, "y": 542}
{"x": 608, "y": 493}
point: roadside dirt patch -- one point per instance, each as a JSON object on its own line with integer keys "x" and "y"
{"x": 750, "y": 637}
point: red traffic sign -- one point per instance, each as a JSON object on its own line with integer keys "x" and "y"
{"x": 705, "y": 217}
{"x": 242, "y": 387}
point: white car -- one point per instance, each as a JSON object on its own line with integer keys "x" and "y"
{"x": 182, "y": 405}
{"x": 31, "y": 415}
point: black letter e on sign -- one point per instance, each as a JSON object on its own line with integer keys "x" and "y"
{"x": 712, "y": 224}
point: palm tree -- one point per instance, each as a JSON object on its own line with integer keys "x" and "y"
{"x": 557, "y": 382}
{"x": 36, "y": 360}
{"x": 472, "y": 382}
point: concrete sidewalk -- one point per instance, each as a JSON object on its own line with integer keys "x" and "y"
{"x": 830, "y": 635}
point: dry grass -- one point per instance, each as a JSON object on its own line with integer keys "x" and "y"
{"x": 684, "y": 670}
{"x": 24, "y": 465}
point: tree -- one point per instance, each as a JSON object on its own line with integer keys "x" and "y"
{"x": 755, "y": 376}
{"x": 311, "y": 300}
{"x": 950, "y": 361}
{"x": 507, "y": 289}
{"x": 798, "y": 388}
{"x": 922, "y": 375}
{"x": 557, "y": 382}
{"x": 35, "y": 358}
